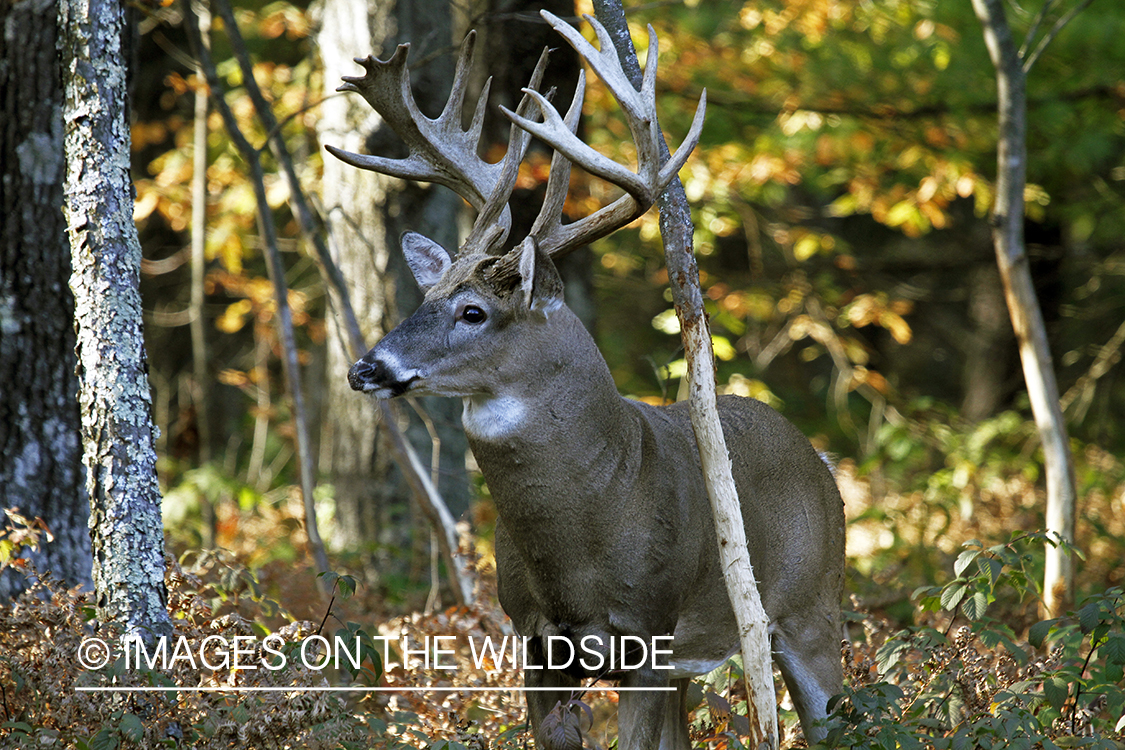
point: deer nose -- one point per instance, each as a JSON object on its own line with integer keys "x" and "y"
{"x": 365, "y": 375}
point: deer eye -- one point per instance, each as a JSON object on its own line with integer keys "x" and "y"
{"x": 472, "y": 314}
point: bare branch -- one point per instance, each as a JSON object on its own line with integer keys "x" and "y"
{"x": 1046, "y": 40}
{"x": 1034, "y": 31}
{"x": 683, "y": 274}
{"x": 277, "y": 276}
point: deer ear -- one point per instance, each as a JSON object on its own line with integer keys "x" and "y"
{"x": 539, "y": 280}
{"x": 427, "y": 259}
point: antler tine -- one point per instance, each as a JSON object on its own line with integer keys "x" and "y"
{"x": 441, "y": 150}
{"x": 558, "y": 179}
{"x": 489, "y": 231}
{"x": 652, "y": 175}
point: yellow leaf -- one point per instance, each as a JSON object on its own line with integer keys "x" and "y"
{"x": 901, "y": 213}
{"x": 237, "y": 378}
{"x": 234, "y": 317}
{"x": 147, "y": 200}
{"x": 722, "y": 347}
{"x": 806, "y": 247}
{"x": 845, "y": 205}
{"x": 6, "y": 549}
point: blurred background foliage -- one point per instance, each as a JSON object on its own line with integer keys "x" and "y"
{"x": 840, "y": 194}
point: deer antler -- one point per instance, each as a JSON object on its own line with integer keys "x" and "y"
{"x": 641, "y": 187}
{"x": 440, "y": 150}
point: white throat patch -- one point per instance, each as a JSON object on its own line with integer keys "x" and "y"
{"x": 492, "y": 418}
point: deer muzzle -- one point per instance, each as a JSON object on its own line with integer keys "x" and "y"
{"x": 374, "y": 376}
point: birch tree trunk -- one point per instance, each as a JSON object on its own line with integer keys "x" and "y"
{"x": 677, "y": 230}
{"x": 40, "y": 432}
{"x": 1023, "y": 304}
{"x": 114, "y": 399}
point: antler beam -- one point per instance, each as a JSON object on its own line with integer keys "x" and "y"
{"x": 440, "y": 150}
{"x": 652, "y": 175}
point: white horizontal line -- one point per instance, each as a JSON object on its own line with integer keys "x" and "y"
{"x": 304, "y": 689}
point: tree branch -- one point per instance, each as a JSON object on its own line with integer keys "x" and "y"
{"x": 277, "y": 276}
{"x": 1023, "y": 305}
{"x": 1059, "y": 26}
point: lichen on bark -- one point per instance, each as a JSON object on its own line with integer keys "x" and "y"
{"x": 114, "y": 400}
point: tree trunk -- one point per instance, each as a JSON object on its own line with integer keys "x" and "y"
{"x": 40, "y": 432}
{"x": 985, "y": 381}
{"x": 1023, "y": 304}
{"x": 676, "y": 230}
{"x": 114, "y": 399}
{"x": 365, "y": 215}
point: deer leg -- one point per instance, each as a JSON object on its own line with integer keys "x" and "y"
{"x": 642, "y": 714}
{"x": 675, "y": 735}
{"x": 542, "y": 702}
{"x": 808, "y": 654}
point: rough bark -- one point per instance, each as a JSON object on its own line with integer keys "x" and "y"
{"x": 676, "y": 229}
{"x": 114, "y": 399}
{"x": 1023, "y": 305}
{"x": 40, "y": 432}
{"x": 365, "y": 214}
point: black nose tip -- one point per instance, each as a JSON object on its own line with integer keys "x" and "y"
{"x": 364, "y": 375}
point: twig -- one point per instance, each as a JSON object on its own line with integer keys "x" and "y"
{"x": 1078, "y": 686}
{"x": 327, "y": 612}
{"x": 1059, "y": 25}
{"x": 1034, "y": 31}
{"x": 198, "y": 271}
{"x": 1108, "y": 355}
{"x": 281, "y": 152}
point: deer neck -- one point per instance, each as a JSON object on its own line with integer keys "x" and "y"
{"x": 562, "y": 409}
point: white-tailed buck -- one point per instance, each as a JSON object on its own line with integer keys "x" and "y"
{"x": 604, "y": 527}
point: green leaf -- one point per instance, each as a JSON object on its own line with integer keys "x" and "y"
{"x": 1038, "y": 632}
{"x": 953, "y": 594}
{"x": 889, "y": 654}
{"x": 975, "y": 606}
{"x": 961, "y": 742}
{"x": 1056, "y": 691}
{"x": 1089, "y": 616}
{"x": 132, "y": 728}
{"x": 998, "y": 633}
{"x": 1114, "y": 649}
{"x": 346, "y": 586}
{"x": 104, "y": 740}
{"x": 18, "y": 726}
{"x": 964, "y": 560}
{"x": 992, "y": 567}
